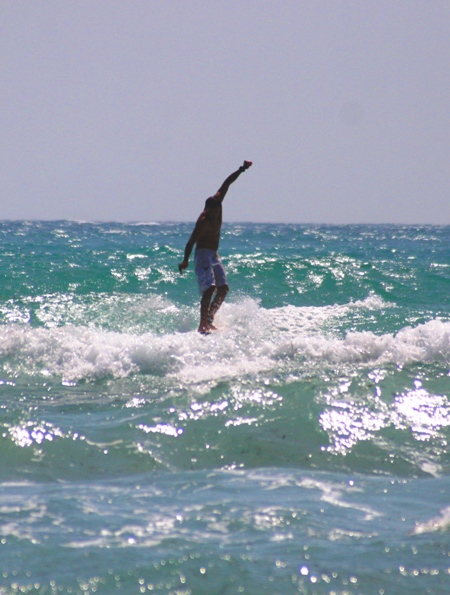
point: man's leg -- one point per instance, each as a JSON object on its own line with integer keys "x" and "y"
{"x": 204, "y": 310}
{"x": 220, "y": 278}
{"x": 220, "y": 296}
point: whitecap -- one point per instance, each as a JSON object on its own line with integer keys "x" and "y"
{"x": 251, "y": 340}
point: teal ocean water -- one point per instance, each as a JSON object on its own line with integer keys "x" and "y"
{"x": 303, "y": 448}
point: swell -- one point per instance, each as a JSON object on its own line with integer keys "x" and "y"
{"x": 274, "y": 388}
{"x": 303, "y": 425}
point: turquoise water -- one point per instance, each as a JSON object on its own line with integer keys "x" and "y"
{"x": 303, "y": 448}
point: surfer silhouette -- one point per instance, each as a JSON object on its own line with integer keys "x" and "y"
{"x": 211, "y": 276}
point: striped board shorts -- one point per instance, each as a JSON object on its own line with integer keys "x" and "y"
{"x": 209, "y": 269}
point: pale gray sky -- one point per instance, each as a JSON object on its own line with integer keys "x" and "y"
{"x": 137, "y": 110}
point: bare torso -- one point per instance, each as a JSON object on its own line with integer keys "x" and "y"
{"x": 208, "y": 231}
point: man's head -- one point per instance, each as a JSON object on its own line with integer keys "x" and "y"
{"x": 211, "y": 203}
{"x": 212, "y": 209}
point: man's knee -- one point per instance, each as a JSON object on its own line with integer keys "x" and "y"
{"x": 208, "y": 293}
{"x": 223, "y": 290}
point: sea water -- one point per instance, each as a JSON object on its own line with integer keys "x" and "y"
{"x": 301, "y": 448}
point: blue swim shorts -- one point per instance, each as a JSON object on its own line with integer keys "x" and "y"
{"x": 209, "y": 269}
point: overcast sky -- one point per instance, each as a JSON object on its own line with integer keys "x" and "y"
{"x": 137, "y": 110}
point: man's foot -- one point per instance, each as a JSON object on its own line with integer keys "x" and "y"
{"x": 206, "y": 329}
{"x": 210, "y": 323}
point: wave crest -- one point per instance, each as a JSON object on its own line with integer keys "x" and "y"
{"x": 252, "y": 340}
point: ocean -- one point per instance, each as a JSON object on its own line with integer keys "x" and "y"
{"x": 301, "y": 448}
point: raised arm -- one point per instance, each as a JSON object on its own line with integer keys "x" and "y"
{"x": 220, "y": 194}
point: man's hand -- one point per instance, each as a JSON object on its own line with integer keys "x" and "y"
{"x": 246, "y": 165}
{"x": 183, "y": 265}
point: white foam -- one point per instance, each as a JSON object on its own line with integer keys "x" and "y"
{"x": 429, "y": 342}
{"x": 252, "y": 340}
{"x": 439, "y": 523}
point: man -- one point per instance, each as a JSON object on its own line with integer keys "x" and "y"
{"x": 212, "y": 280}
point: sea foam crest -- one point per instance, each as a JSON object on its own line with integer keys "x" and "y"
{"x": 251, "y": 340}
{"x": 439, "y": 523}
{"x": 427, "y": 343}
